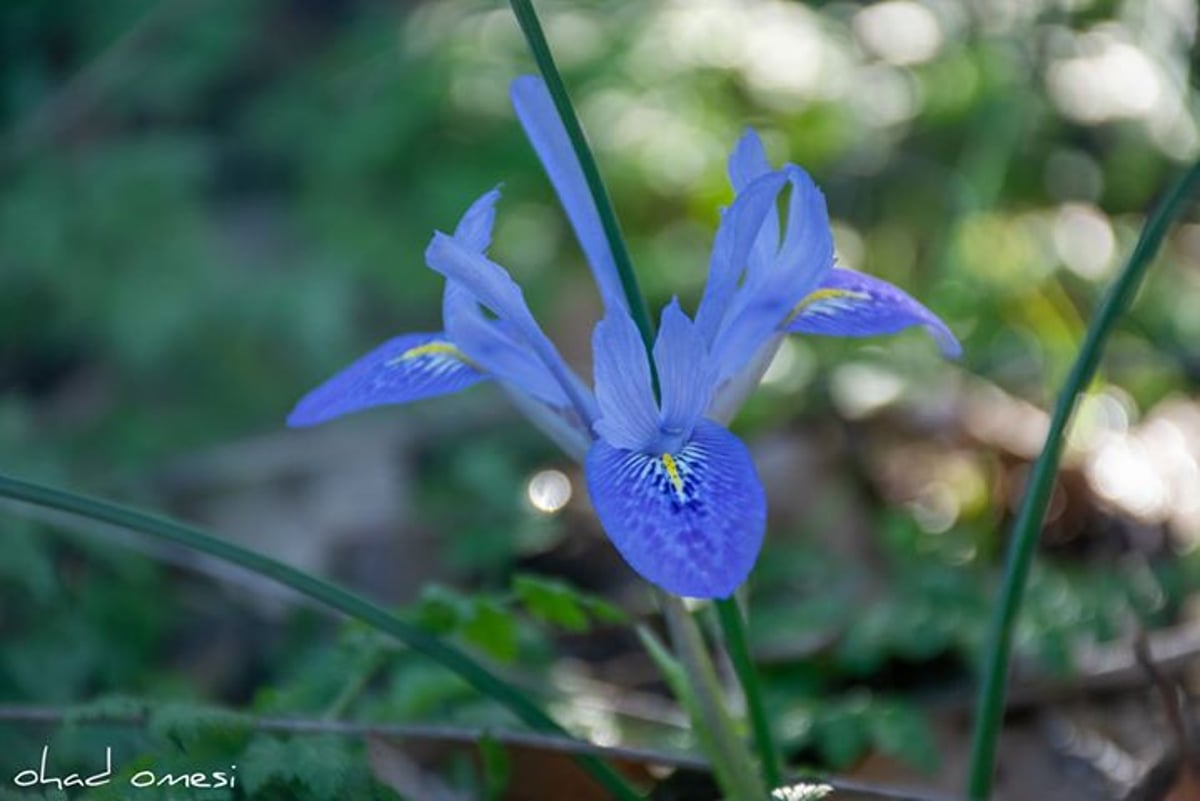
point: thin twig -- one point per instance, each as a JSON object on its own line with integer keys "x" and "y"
{"x": 453, "y": 735}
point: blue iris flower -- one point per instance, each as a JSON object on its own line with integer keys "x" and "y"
{"x": 676, "y": 492}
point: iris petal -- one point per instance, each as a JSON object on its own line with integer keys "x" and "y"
{"x": 535, "y": 109}
{"x": 761, "y": 306}
{"x": 685, "y": 374}
{"x": 748, "y": 160}
{"x": 740, "y": 227}
{"x": 808, "y": 241}
{"x": 493, "y": 288}
{"x": 624, "y": 394}
{"x": 691, "y": 522}
{"x": 492, "y": 345}
{"x": 853, "y": 304}
{"x": 407, "y": 368}
{"x": 474, "y": 230}
{"x": 495, "y": 347}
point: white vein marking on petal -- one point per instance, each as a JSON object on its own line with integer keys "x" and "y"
{"x": 437, "y": 356}
{"x": 433, "y": 359}
{"x": 677, "y": 476}
{"x": 828, "y": 303}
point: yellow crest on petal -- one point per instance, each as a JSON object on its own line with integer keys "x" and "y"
{"x": 673, "y": 473}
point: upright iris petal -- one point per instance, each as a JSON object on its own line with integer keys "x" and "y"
{"x": 494, "y": 288}
{"x": 771, "y": 288}
{"x": 535, "y": 109}
{"x": 740, "y": 231}
{"x": 624, "y": 393}
{"x": 685, "y": 373}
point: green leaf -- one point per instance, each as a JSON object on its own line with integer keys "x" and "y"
{"x": 604, "y": 612}
{"x": 672, "y": 672}
{"x": 900, "y": 730}
{"x": 108, "y": 706}
{"x": 27, "y": 561}
{"x": 419, "y": 689}
{"x": 841, "y": 734}
{"x": 492, "y": 628}
{"x": 552, "y": 602}
{"x": 318, "y": 764}
{"x": 1027, "y": 526}
{"x": 441, "y": 610}
{"x": 184, "y": 722}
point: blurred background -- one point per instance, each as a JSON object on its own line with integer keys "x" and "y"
{"x": 209, "y": 206}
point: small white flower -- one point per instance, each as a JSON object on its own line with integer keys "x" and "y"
{"x": 802, "y": 792}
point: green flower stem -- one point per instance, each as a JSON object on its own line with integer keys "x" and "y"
{"x": 733, "y": 628}
{"x": 325, "y": 593}
{"x": 527, "y": 18}
{"x": 1028, "y": 523}
{"x": 733, "y": 763}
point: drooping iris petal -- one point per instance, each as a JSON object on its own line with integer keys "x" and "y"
{"x": 407, "y": 368}
{"x": 624, "y": 393}
{"x": 740, "y": 226}
{"x": 685, "y": 374}
{"x": 492, "y": 287}
{"x": 535, "y": 109}
{"x": 692, "y": 521}
{"x": 853, "y": 304}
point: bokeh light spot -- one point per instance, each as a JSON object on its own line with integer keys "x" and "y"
{"x": 549, "y": 491}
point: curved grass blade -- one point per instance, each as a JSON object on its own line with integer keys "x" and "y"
{"x": 1028, "y": 523}
{"x": 328, "y": 594}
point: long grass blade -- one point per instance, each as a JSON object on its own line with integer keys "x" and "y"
{"x": 330, "y": 595}
{"x": 1028, "y": 524}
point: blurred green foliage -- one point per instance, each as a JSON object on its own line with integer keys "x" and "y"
{"x": 206, "y": 208}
